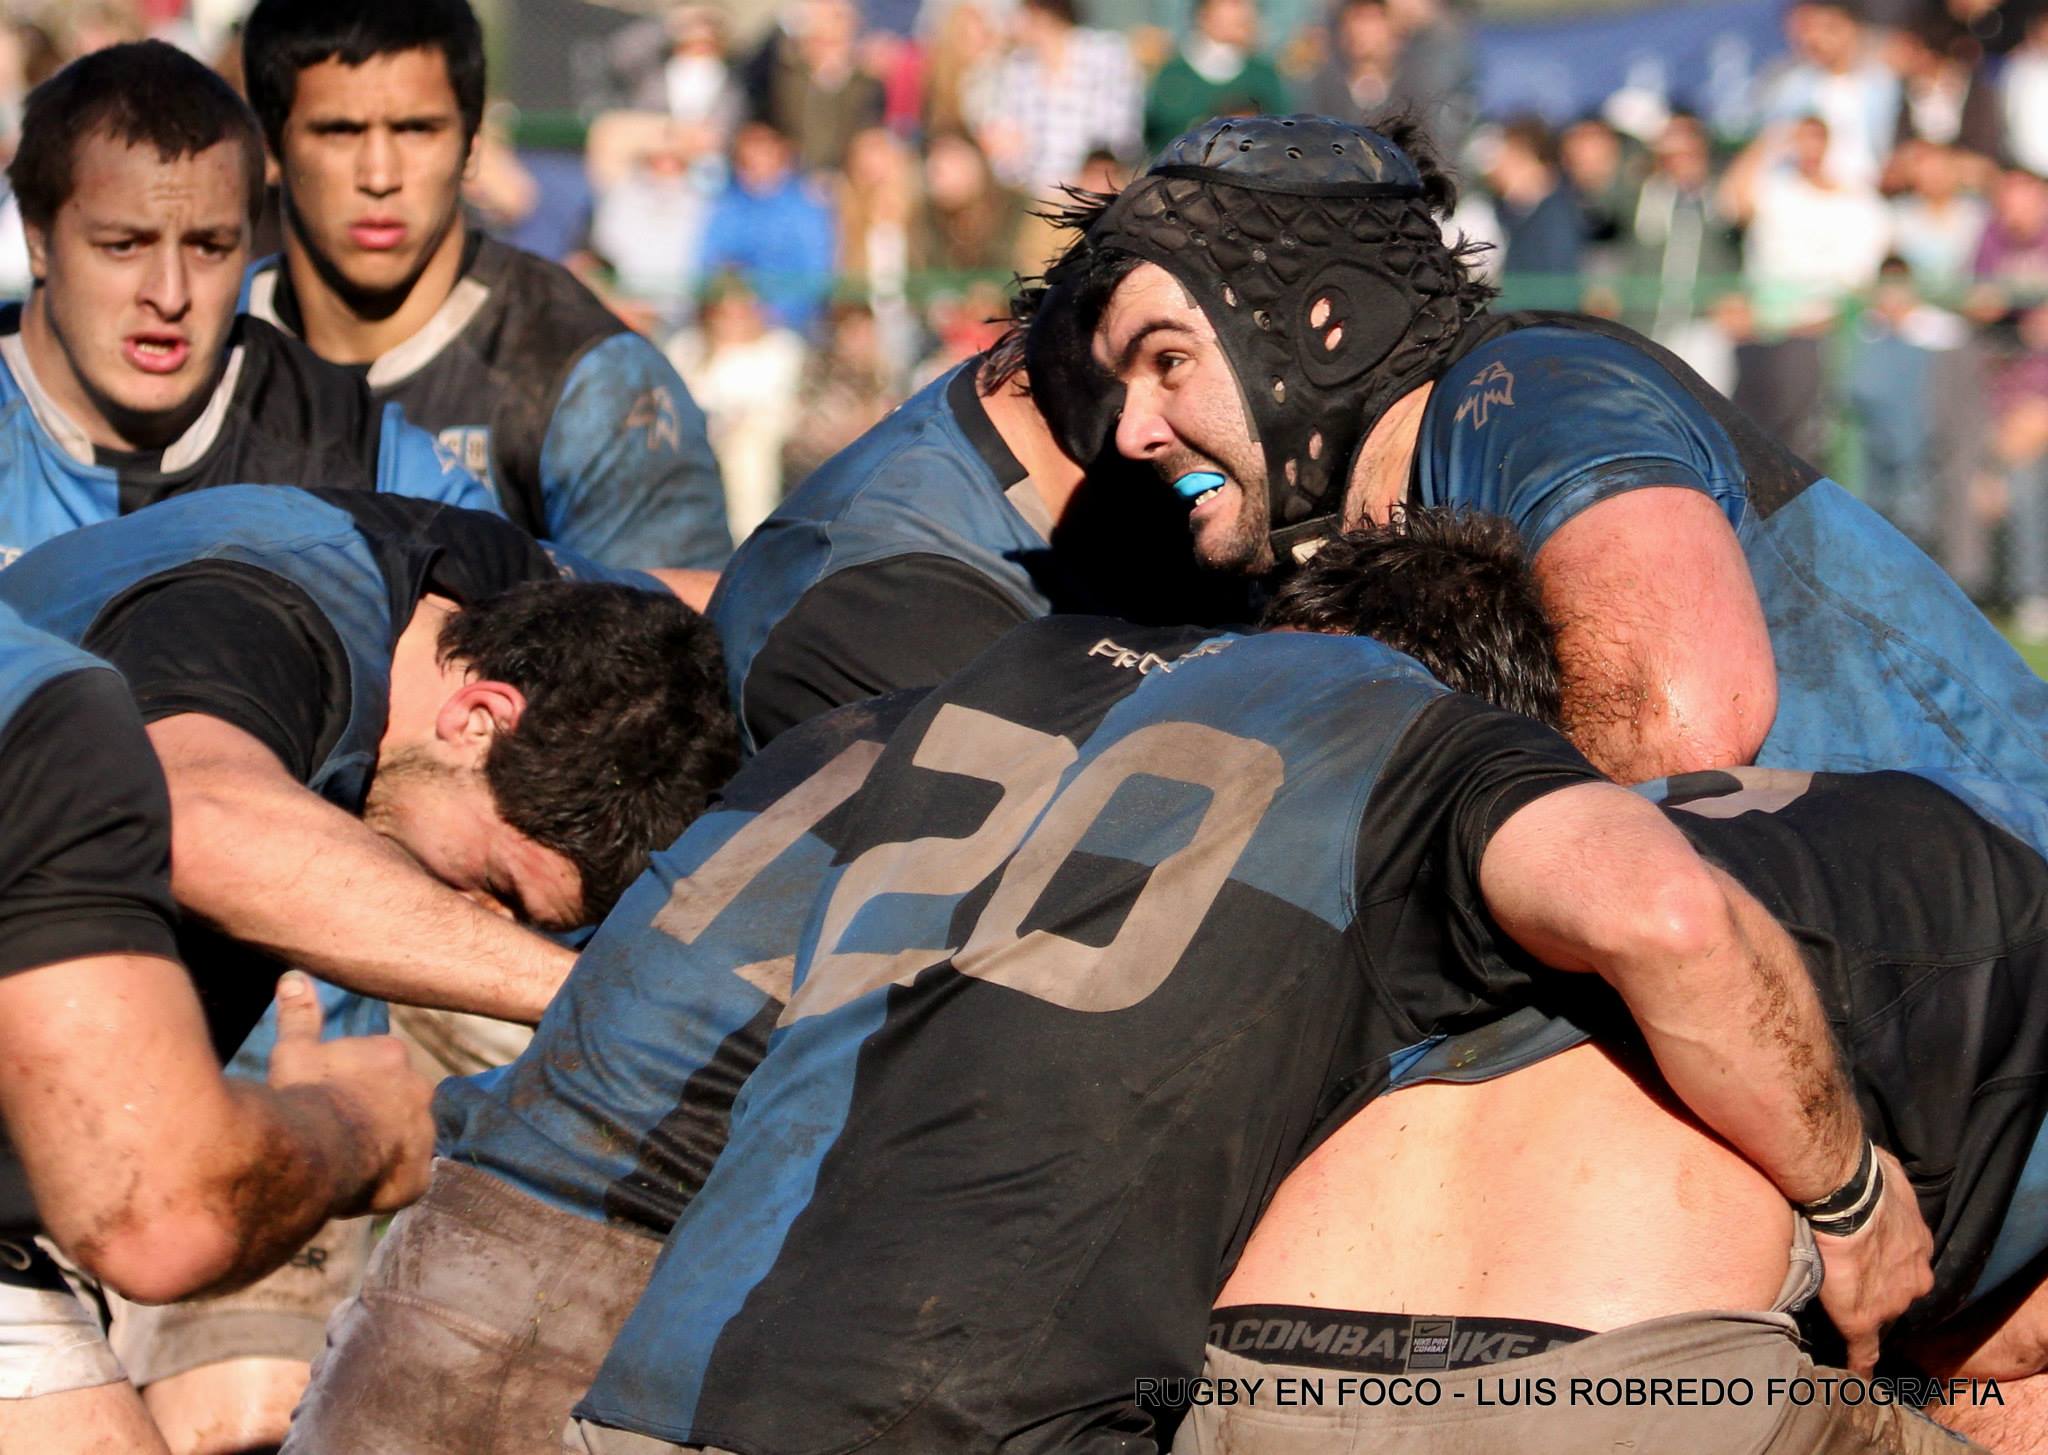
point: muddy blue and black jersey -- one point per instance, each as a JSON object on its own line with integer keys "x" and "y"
{"x": 912, "y": 550}
{"x": 1882, "y": 662}
{"x": 581, "y": 427}
{"x": 85, "y": 845}
{"x": 1063, "y": 977}
{"x": 277, "y": 416}
{"x": 1925, "y": 925}
{"x": 274, "y": 610}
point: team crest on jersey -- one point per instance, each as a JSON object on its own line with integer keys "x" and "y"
{"x": 1495, "y": 385}
{"x": 655, "y": 411}
{"x": 467, "y": 447}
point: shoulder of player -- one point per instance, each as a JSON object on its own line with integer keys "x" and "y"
{"x": 541, "y": 308}
{"x": 1544, "y": 363}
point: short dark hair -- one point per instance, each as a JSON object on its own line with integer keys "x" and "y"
{"x": 627, "y": 731}
{"x": 283, "y": 37}
{"x": 145, "y": 93}
{"x": 1452, "y": 589}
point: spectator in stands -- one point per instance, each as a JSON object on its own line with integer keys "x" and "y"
{"x": 1593, "y": 161}
{"x": 2012, "y": 258}
{"x": 1832, "y": 75}
{"x": 2019, "y": 404}
{"x": 810, "y": 85}
{"x": 1436, "y": 70}
{"x": 744, "y": 369}
{"x": 1813, "y": 234}
{"x": 963, "y": 40}
{"x": 677, "y": 65}
{"x": 1537, "y": 210}
{"x": 848, "y": 386}
{"x": 1936, "y": 225}
{"x": 970, "y": 221}
{"x": 773, "y": 228}
{"x": 1356, "y": 79}
{"x": 1218, "y": 71}
{"x": 1944, "y": 94}
{"x": 648, "y": 223}
{"x": 2026, "y": 98}
{"x": 1058, "y": 93}
{"x": 1677, "y": 233}
{"x": 879, "y": 238}
{"x": 1912, "y": 375}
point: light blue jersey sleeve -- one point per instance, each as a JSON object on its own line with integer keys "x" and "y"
{"x": 1545, "y": 423}
{"x": 626, "y": 470}
{"x": 412, "y": 462}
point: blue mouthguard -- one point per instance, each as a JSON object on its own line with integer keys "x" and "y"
{"x": 1196, "y": 482}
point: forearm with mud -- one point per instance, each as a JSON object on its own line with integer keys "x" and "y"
{"x": 309, "y": 1154}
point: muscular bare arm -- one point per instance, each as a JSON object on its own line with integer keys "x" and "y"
{"x": 156, "y": 1173}
{"x": 692, "y": 588}
{"x": 1592, "y": 878}
{"x": 1667, "y": 660}
{"x": 256, "y": 853}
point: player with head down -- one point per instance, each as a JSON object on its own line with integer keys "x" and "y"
{"x": 398, "y": 743}
{"x": 1271, "y": 318}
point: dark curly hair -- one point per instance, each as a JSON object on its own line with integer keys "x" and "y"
{"x": 1452, "y": 589}
{"x": 283, "y": 37}
{"x": 627, "y": 731}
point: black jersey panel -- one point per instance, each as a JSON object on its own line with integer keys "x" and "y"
{"x": 236, "y": 643}
{"x": 85, "y": 846}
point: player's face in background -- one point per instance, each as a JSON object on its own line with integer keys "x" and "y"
{"x": 373, "y": 161}
{"x": 137, "y": 278}
{"x": 442, "y": 814}
{"x": 1183, "y": 412}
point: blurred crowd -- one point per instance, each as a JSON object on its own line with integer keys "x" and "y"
{"x": 817, "y": 209}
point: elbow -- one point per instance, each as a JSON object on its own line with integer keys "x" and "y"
{"x": 159, "y": 1258}
{"x": 1682, "y": 918}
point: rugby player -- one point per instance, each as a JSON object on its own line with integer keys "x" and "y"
{"x": 105, "y": 1064}
{"x": 1274, "y": 313}
{"x": 956, "y": 518}
{"x": 889, "y": 850}
{"x": 394, "y": 739}
{"x": 582, "y": 428}
{"x": 126, "y": 377}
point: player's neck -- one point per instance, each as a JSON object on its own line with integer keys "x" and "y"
{"x": 346, "y": 330}
{"x": 1024, "y": 430}
{"x": 1379, "y": 481}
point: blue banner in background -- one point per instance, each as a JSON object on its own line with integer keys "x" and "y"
{"x": 1700, "y": 56}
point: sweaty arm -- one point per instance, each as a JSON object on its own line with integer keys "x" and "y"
{"x": 1592, "y": 878}
{"x": 144, "y": 1164}
{"x": 265, "y": 860}
{"x": 1667, "y": 660}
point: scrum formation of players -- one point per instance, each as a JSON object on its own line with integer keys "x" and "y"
{"x": 1126, "y": 880}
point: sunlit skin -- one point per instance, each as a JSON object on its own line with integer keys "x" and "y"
{"x": 137, "y": 276}
{"x": 1183, "y": 412}
{"x": 430, "y": 797}
{"x": 373, "y": 162}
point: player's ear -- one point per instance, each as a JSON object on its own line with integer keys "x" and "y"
{"x": 475, "y": 713}
{"x": 38, "y": 250}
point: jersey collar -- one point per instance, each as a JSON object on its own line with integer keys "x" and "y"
{"x": 963, "y": 397}
{"x": 271, "y": 299}
{"x": 187, "y": 450}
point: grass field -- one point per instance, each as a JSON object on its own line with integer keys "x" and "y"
{"x": 2036, "y": 653}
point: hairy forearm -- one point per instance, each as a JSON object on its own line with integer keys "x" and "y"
{"x": 1739, "y": 1033}
{"x": 1637, "y": 717}
{"x": 282, "y": 869}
